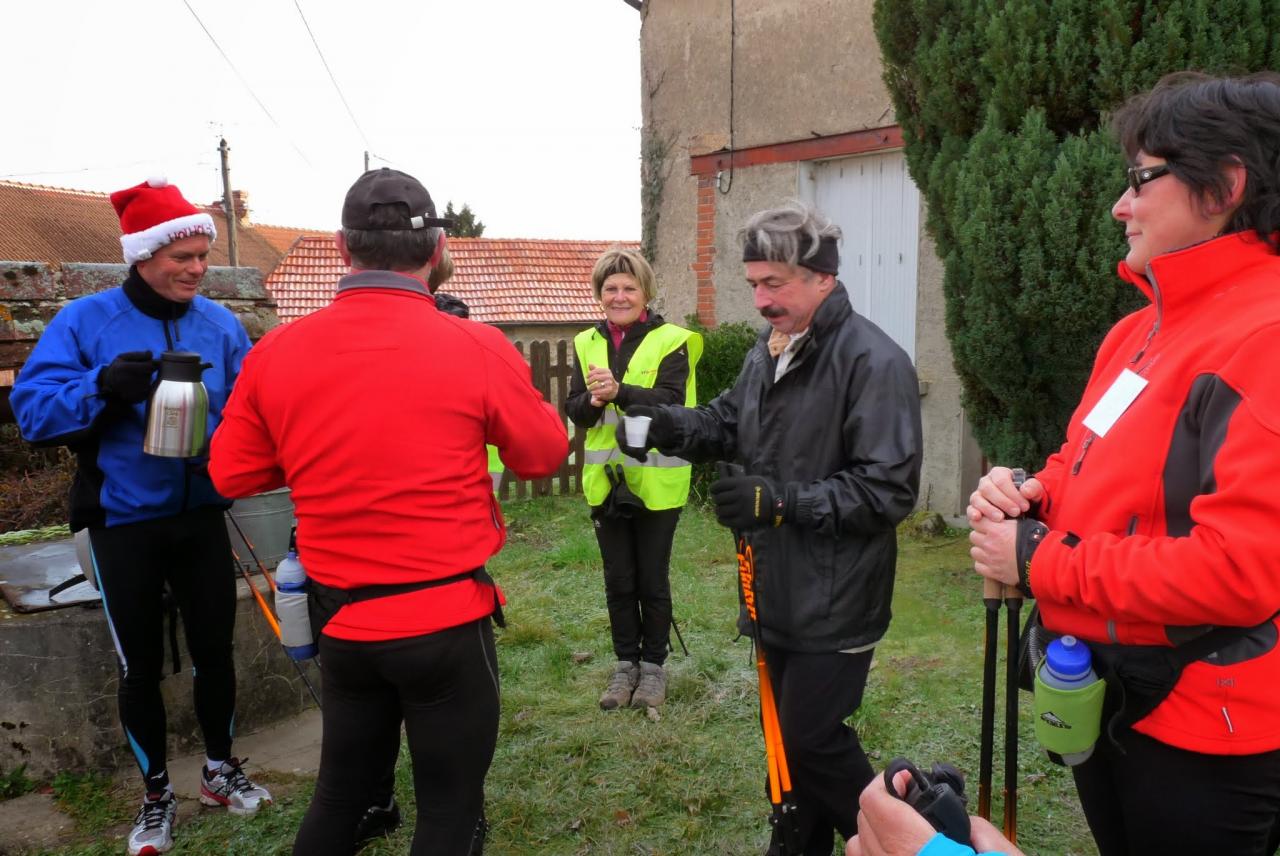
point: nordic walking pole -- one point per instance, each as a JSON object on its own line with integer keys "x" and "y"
{"x": 1013, "y": 608}
{"x": 257, "y": 595}
{"x": 1013, "y": 605}
{"x": 991, "y": 596}
{"x": 676, "y": 628}
{"x": 783, "y": 818}
{"x": 784, "y": 808}
{"x": 252, "y": 553}
{"x": 275, "y": 625}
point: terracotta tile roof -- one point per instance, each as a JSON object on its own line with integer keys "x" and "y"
{"x": 306, "y": 278}
{"x": 56, "y": 225}
{"x": 502, "y": 280}
{"x": 284, "y": 237}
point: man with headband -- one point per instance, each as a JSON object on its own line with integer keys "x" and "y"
{"x": 824, "y": 421}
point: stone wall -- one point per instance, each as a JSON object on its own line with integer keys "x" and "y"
{"x": 31, "y": 293}
{"x": 58, "y": 681}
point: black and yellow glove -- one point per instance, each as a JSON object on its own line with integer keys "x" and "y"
{"x": 748, "y": 502}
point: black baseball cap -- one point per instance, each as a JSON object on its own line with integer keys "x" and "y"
{"x": 389, "y": 187}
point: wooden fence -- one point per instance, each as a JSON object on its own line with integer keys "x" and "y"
{"x": 551, "y": 378}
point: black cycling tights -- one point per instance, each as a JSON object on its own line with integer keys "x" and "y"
{"x": 134, "y": 561}
{"x": 445, "y": 687}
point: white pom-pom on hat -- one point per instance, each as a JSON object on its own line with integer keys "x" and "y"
{"x": 157, "y": 181}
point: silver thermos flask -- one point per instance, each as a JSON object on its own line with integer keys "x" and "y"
{"x": 178, "y": 411}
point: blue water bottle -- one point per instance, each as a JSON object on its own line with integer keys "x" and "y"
{"x": 1068, "y": 702}
{"x": 291, "y": 608}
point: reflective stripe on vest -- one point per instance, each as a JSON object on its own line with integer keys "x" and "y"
{"x": 661, "y": 481}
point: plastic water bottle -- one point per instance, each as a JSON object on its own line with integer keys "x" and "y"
{"x": 291, "y": 608}
{"x": 1068, "y": 702}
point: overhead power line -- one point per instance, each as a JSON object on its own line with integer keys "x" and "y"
{"x": 325, "y": 63}
{"x": 253, "y": 94}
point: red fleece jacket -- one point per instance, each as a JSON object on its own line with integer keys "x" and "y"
{"x": 1175, "y": 507}
{"x": 375, "y": 412}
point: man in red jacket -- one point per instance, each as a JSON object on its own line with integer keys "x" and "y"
{"x": 375, "y": 412}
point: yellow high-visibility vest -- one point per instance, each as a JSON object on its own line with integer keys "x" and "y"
{"x": 495, "y": 467}
{"x": 661, "y": 481}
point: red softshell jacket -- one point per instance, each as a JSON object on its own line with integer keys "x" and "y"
{"x": 375, "y": 412}
{"x": 1168, "y": 522}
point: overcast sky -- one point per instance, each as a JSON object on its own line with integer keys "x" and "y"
{"x": 527, "y": 110}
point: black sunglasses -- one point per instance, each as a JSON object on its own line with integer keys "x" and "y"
{"x": 1140, "y": 175}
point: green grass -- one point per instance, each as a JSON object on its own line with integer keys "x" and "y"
{"x": 30, "y": 536}
{"x": 15, "y": 783}
{"x": 570, "y": 779}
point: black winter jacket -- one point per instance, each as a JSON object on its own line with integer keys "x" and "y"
{"x": 840, "y": 432}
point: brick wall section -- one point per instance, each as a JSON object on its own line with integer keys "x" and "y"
{"x": 704, "y": 266}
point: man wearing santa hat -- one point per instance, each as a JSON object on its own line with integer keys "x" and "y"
{"x": 152, "y": 521}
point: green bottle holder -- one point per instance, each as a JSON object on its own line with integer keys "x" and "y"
{"x": 1068, "y": 721}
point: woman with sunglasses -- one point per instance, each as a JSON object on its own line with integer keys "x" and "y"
{"x": 1152, "y": 533}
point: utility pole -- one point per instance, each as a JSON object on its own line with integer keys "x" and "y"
{"x": 366, "y": 160}
{"x": 228, "y": 205}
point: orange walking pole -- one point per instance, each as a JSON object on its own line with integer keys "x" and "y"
{"x": 271, "y": 620}
{"x": 257, "y": 595}
{"x": 252, "y": 552}
{"x": 783, "y": 818}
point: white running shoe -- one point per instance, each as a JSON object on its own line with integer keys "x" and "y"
{"x": 230, "y": 787}
{"x": 153, "y": 827}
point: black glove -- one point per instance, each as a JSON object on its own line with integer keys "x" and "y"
{"x": 662, "y": 431}
{"x": 128, "y": 377}
{"x": 747, "y": 502}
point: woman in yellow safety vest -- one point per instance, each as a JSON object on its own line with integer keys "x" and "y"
{"x": 632, "y": 357}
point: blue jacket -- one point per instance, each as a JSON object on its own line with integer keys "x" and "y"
{"x": 56, "y": 399}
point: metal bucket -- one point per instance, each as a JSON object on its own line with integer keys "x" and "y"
{"x": 265, "y": 519}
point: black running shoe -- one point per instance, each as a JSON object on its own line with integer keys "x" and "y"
{"x": 378, "y": 822}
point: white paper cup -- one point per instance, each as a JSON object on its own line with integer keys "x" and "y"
{"x": 637, "y": 430}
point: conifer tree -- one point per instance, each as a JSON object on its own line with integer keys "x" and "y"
{"x": 465, "y": 224}
{"x": 1004, "y": 105}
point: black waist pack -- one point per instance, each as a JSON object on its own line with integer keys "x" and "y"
{"x": 1138, "y": 677}
{"x": 323, "y": 602}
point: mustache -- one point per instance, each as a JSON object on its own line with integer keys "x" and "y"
{"x": 772, "y": 312}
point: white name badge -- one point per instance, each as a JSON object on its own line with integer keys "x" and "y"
{"x": 1114, "y": 402}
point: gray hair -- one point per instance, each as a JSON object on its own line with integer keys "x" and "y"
{"x": 780, "y": 233}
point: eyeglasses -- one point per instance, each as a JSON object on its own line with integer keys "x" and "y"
{"x": 1140, "y": 175}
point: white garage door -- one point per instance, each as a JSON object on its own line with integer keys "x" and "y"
{"x": 877, "y": 205}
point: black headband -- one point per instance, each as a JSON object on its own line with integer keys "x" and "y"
{"x": 825, "y": 260}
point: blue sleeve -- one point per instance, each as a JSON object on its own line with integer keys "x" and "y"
{"x": 56, "y": 396}
{"x": 941, "y": 845}
{"x": 238, "y": 349}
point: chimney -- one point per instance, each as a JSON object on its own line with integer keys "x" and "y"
{"x": 240, "y": 201}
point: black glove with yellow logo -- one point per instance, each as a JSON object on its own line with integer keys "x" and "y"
{"x": 748, "y": 502}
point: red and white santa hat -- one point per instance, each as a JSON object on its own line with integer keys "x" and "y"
{"x": 154, "y": 214}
